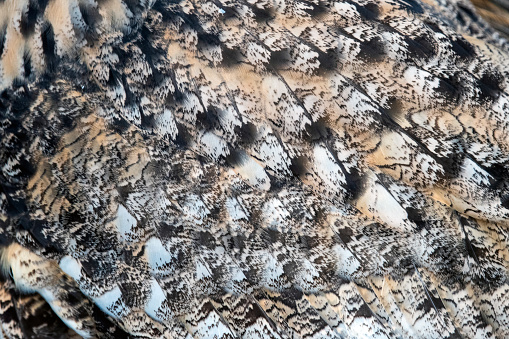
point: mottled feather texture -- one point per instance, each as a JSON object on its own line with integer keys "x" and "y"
{"x": 254, "y": 169}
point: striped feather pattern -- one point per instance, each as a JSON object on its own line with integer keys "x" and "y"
{"x": 253, "y": 168}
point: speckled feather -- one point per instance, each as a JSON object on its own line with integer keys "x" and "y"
{"x": 253, "y": 168}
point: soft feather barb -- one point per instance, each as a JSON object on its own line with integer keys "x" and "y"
{"x": 256, "y": 168}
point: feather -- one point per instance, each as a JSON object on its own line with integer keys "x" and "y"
{"x": 290, "y": 168}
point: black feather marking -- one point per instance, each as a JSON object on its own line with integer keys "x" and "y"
{"x": 504, "y": 201}
{"x": 452, "y": 164}
{"x": 468, "y": 244}
{"x": 91, "y": 17}
{"x": 90, "y": 14}
{"x": 28, "y": 19}
{"x": 27, "y": 65}
{"x": 148, "y": 121}
{"x": 48, "y": 47}
{"x": 206, "y": 240}
{"x": 370, "y": 11}
{"x": 468, "y": 12}
{"x": 364, "y": 311}
{"x": 450, "y": 89}
{"x": 463, "y": 49}
{"x": 329, "y": 61}
{"x": 415, "y": 216}
{"x": 231, "y": 57}
{"x": 434, "y": 26}
{"x": 355, "y": 183}
{"x": 372, "y": 50}
{"x": 207, "y": 119}
{"x": 263, "y": 14}
{"x": 317, "y": 130}
{"x": 40, "y": 4}
{"x": 280, "y": 59}
{"x": 412, "y": 6}
{"x": 3, "y": 32}
{"x": 235, "y": 157}
{"x": 300, "y": 166}
{"x": 120, "y": 125}
{"x": 246, "y": 133}
{"x": 490, "y": 85}
{"x": 394, "y": 108}
{"x": 183, "y": 138}
{"x": 421, "y": 47}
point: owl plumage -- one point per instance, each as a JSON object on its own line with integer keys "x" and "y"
{"x": 253, "y": 168}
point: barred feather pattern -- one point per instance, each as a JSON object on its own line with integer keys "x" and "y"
{"x": 253, "y": 168}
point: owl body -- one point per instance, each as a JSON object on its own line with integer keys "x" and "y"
{"x": 254, "y": 169}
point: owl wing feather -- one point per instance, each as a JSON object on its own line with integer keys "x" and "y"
{"x": 257, "y": 169}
